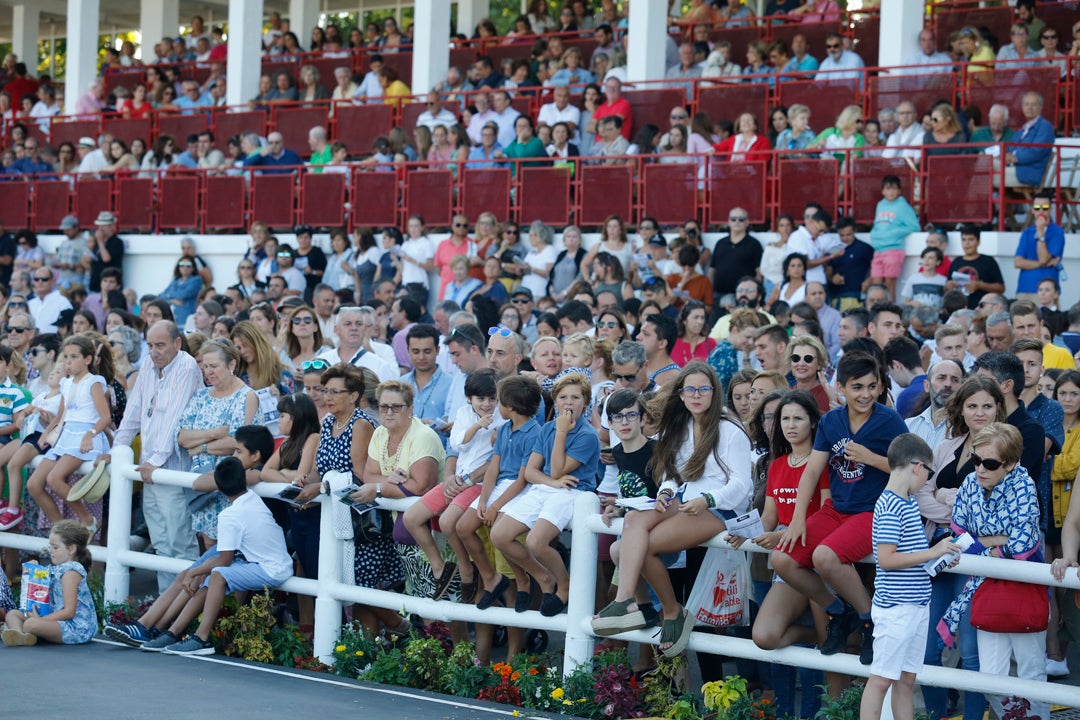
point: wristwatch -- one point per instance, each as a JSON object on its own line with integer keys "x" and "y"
{"x": 378, "y": 490}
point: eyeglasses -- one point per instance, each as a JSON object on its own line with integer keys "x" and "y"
{"x": 112, "y": 343}
{"x": 627, "y": 417}
{"x": 1048, "y": 37}
{"x": 317, "y": 364}
{"x": 464, "y": 225}
{"x": 929, "y": 471}
{"x": 501, "y": 332}
{"x": 10, "y": 329}
{"x": 510, "y": 231}
{"x": 688, "y": 391}
{"x": 185, "y": 264}
{"x": 1040, "y": 207}
{"x": 936, "y": 119}
{"x": 832, "y": 46}
{"x": 990, "y": 464}
{"x": 610, "y": 325}
{"x": 521, "y": 301}
{"x": 305, "y": 320}
{"x": 387, "y": 409}
{"x": 44, "y": 278}
{"x": 679, "y": 117}
{"x": 284, "y": 254}
{"x": 336, "y": 391}
{"x": 41, "y": 351}
{"x": 803, "y": 358}
{"x": 17, "y": 304}
{"x": 626, "y": 378}
{"x": 738, "y": 219}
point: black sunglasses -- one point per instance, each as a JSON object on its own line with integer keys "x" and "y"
{"x": 803, "y": 358}
{"x": 625, "y": 378}
{"x": 990, "y": 464}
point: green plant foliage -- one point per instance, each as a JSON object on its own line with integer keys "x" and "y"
{"x": 389, "y": 668}
{"x": 288, "y": 645}
{"x": 464, "y": 675}
{"x": 426, "y": 659}
{"x": 246, "y": 634}
{"x": 845, "y": 707}
{"x": 356, "y": 649}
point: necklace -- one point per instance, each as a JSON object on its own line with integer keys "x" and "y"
{"x": 338, "y": 427}
{"x": 797, "y": 461}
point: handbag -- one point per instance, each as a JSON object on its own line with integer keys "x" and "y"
{"x": 371, "y": 525}
{"x": 720, "y": 596}
{"x": 1008, "y": 606}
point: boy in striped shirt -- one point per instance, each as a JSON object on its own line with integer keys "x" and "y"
{"x": 901, "y": 607}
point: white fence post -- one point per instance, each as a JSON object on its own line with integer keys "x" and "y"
{"x": 327, "y": 607}
{"x": 583, "y": 552}
{"x": 117, "y": 578}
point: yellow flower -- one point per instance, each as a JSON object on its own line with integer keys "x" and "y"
{"x": 567, "y": 702}
{"x": 516, "y": 713}
{"x": 339, "y": 648}
{"x": 359, "y": 653}
{"x": 558, "y": 693}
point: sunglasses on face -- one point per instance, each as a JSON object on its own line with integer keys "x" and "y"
{"x": 929, "y": 471}
{"x": 521, "y": 301}
{"x": 46, "y": 278}
{"x": 738, "y": 219}
{"x": 832, "y": 46}
{"x": 803, "y": 358}
{"x": 16, "y": 304}
{"x": 9, "y": 329}
{"x": 990, "y": 464}
{"x": 610, "y": 325}
{"x": 305, "y": 320}
{"x": 460, "y": 225}
{"x": 1040, "y": 207}
{"x": 625, "y": 378}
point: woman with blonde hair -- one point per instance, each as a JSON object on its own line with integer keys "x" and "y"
{"x": 842, "y": 136}
{"x": 303, "y": 339}
{"x": 946, "y": 131}
{"x": 260, "y": 367}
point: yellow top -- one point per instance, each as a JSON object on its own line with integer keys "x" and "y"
{"x": 395, "y": 90}
{"x": 1057, "y": 357}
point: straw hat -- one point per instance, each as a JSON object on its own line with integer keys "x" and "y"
{"x": 93, "y": 486}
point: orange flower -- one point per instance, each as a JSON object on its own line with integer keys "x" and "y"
{"x": 534, "y": 671}
{"x": 516, "y": 676}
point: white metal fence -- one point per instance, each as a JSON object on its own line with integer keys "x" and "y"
{"x": 330, "y": 593}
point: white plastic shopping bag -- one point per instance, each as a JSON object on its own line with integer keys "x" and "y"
{"x": 720, "y": 596}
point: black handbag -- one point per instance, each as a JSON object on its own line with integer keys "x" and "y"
{"x": 370, "y": 524}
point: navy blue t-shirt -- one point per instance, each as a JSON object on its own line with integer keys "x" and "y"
{"x": 854, "y": 266}
{"x": 855, "y": 487}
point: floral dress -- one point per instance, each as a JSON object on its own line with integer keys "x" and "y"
{"x": 83, "y": 627}
{"x": 205, "y": 412}
{"x": 6, "y": 601}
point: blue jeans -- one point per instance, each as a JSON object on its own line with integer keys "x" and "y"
{"x": 943, "y": 590}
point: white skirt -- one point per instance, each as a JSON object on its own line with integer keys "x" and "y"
{"x": 70, "y": 443}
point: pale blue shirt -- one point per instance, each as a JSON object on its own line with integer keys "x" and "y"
{"x": 849, "y": 62}
{"x": 1032, "y": 59}
{"x": 923, "y": 64}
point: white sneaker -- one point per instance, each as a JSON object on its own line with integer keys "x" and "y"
{"x": 1057, "y": 668}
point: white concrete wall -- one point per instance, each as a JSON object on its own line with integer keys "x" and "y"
{"x": 149, "y": 261}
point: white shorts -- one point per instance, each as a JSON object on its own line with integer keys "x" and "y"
{"x": 543, "y": 502}
{"x": 496, "y": 492}
{"x": 899, "y": 639}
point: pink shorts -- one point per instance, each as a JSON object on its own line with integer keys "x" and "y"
{"x": 849, "y": 536}
{"x": 435, "y": 500}
{"x": 887, "y": 264}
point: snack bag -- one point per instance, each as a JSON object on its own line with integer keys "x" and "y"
{"x": 34, "y": 589}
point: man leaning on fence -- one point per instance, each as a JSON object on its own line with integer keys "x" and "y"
{"x": 153, "y": 411}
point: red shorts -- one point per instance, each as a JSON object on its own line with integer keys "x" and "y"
{"x": 849, "y": 536}
{"x": 435, "y": 500}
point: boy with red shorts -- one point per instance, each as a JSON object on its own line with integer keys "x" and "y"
{"x": 816, "y": 556}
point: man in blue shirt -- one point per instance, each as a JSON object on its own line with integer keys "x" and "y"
{"x": 274, "y": 157}
{"x": 192, "y": 98}
{"x": 801, "y": 62}
{"x": 1026, "y": 165}
{"x": 839, "y": 59}
{"x": 850, "y": 267}
{"x": 430, "y": 384}
{"x": 1039, "y": 253}
{"x": 190, "y": 157}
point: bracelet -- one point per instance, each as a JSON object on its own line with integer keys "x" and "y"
{"x": 710, "y": 501}
{"x": 204, "y": 448}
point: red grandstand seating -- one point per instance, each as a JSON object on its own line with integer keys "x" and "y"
{"x": 720, "y": 101}
{"x": 374, "y": 199}
{"x": 545, "y": 194}
{"x": 224, "y": 202}
{"x": 359, "y": 125}
{"x": 867, "y": 36}
{"x": 52, "y": 201}
{"x": 430, "y": 194}
{"x": 295, "y": 122}
{"x": 462, "y": 58}
{"x": 272, "y": 67}
{"x": 737, "y": 184}
{"x": 653, "y": 106}
{"x": 509, "y": 52}
{"x": 180, "y": 126}
{"x": 326, "y": 67}
{"x": 272, "y": 199}
{"x": 125, "y": 79}
{"x": 670, "y": 192}
{"x": 91, "y": 198}
{"x": 15, "y": 204}
{"x": 323, "y": 199}
{"x": 228, "y": 124}
{"x": 127, "y": 129}
{"x": 959, "y": 189}
{"x": 135, "y": 203}
{"x": 887, "y": 91}
{"x": 996, "y": 19}
{"x": 1008, "y": 88}
{"x": 402, "y": 62}
{"x": 486, "y": 190}
{"x": 605, "y": 190}
{"x": 807, "y": 180}
{"x": 739, "y": 37}
{"x": 179, "y": 197}
{"x": 866, "y": 183}
{"x": 825, "y": 99}
{"x": 71, "y": 130}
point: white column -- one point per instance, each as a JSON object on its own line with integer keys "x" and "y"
{"x": 245, "y": 47}
{"x": 26, "y": 20}
{"x": 158, "y": 19}
{"x": 82, "y": 49}
{"x": 647, "y": 54}
{"x": 431, "y": 45}
{"x": 901, "y": 22}
{"x": 470, "y": 13}
{"x": 303, "y": 16}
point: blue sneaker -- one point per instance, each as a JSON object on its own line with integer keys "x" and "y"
{"x": 161, "y": 642}
{"x": 133, "y": 635}
{"x": 191, "y": 645}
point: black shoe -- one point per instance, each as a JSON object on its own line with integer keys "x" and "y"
{"x": 839, "y": 628}
{"x": 866, "y": 652}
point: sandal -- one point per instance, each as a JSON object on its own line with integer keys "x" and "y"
{"x": 617, "y": 618}
{"x": 442, "y": 583}
{"x": 490, "y": 597}
{"x": 676, "y": 633}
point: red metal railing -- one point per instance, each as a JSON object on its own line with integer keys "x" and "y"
{"x": 943, "y": 189}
